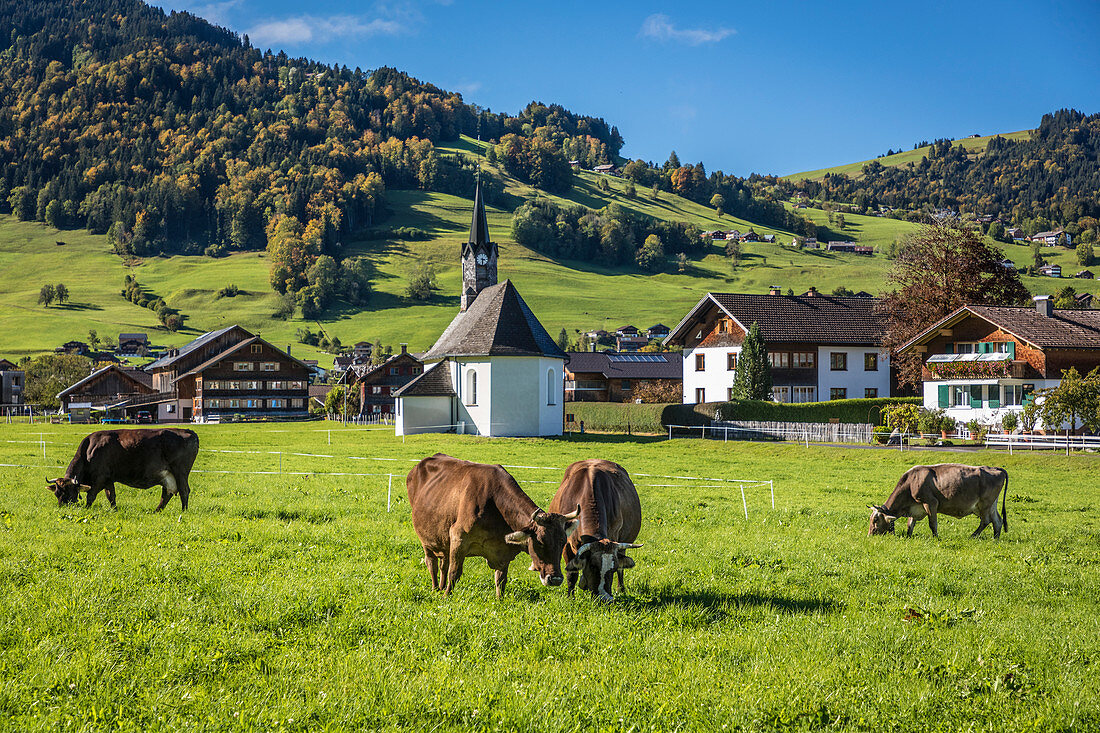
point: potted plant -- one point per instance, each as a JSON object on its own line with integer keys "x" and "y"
{"x": 1010, "y": 421}
{"x": 947, "y": 426}
{"x": 974, "y": 427}
{"x": 929, "y": 424}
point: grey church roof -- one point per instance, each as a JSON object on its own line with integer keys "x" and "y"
{"x": 434, "y": 382}
{"x": 498, "y": 323}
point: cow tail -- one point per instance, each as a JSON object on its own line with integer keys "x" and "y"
{"x": 1004, "y": 506}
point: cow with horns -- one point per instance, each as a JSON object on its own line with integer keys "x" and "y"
{"x": 462, "y": 509}
{"x": 138, "y": 458}
{"x": 946, "y": 488}
{"x": 610, "y": 519}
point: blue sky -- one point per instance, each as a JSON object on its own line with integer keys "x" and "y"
{"x": 766, "y": 87}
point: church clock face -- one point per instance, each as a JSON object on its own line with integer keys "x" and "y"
{"x": 481, "y": 258}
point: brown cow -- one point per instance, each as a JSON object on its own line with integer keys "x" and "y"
{"x": 611, "y": 516}
{"x": 138, "y": 458}
{"x": 462, "y": 509}
{"x": 949, "y": 488}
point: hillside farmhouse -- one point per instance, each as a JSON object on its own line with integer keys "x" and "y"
{"x": 1051, "y": 238}
{"x": 982, "y": 361}
{"x": 821, "y": 347}
{"x": 608, "y": 376}
{"x": 11, "y": 386}
{"x": 495, "y": 370}
{"x": 378, "y": 384}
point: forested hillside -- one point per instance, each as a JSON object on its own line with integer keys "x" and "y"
{"x": 1046, "y": 179}
{"x": 174, "y": 135}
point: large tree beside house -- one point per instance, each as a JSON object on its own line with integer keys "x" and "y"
{"x": 942, "y": 267}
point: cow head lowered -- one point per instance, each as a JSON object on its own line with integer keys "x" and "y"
{"x": 882, "y": 521}
{"x": 597, "y": 562}
{"x": 544, "y": 539}
{"x": 67, "y": 490}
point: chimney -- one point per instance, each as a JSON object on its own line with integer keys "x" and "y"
{"x": 812, "y": 292}
{"x": 1045, "y": 305}
{"x": 404, "y": 348}
{"x": 775, "y": 290}
{"x": 288, "y": 349}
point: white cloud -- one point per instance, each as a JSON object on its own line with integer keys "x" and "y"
{"x": 659, "y": 27}
{"x": 469, "y": 87}
{"x": 217, "y": 12}
{"x": 310, "y": 28}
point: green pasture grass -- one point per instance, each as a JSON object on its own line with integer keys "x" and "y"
{"x": 972, "y": 145}
{"x": 295, "y": 601}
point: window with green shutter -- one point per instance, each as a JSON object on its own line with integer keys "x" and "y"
{"x": 994, "y": 396}
{"x": 944, "y": 395}
{"x": 976, "y": 396}
{"x": 1012, "y": 349}
{"x": 949, "y": 348}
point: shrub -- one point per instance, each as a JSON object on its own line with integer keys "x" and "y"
{"x": 1010, "y": 421}
{"x": 859, "y": 410}
{"x": 229, "y": 291}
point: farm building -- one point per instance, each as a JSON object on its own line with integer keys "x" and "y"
{"x": 229, "y": 372}
{"x": 495, "y": 370}
{"x": 11, "y": 386}
{"x": 821, "y": 347}
{"x": 1051, "y": 238}
{"x": 607, "y": 376}
{"x": 982, "y": 361}
{"x": 378, "y": 384}
{"x": 133, "y": 344}
{"x": 112, "y": 387}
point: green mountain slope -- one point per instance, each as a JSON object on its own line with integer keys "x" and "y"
{"x": 972, "y": 145}
{"x": 564, "y": 294}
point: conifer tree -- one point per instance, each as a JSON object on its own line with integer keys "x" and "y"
{"x": 753, "y": 379}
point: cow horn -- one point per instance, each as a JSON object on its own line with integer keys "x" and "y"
{"x": 573, "y": 515}
{"x": 627, "y": 545}
{"x": 535, "y": 514}
{"x": 582, "y": 550}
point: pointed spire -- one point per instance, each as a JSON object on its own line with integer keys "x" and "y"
{"x": 479, "y": 229}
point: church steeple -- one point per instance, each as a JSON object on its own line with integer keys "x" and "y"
{"x": 479, "y": 255}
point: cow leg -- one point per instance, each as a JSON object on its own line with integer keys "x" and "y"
{"x": 164, "y": 497}
{"x": 110, "y": 491}
{"x": 184, "y": 491}
{"x": 931, "y": 508}
{"x": 454, "y": 566}
{"x": 432, "y": 561}
{"x": 998, "y": 523}
{"x": 619, "y": 573}
{"x": 500, "y": 578}
{"x": 92, "y": 494}
{"x": 909, "y": 526}
{"x": 571, "y": 576}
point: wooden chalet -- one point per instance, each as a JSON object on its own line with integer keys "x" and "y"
{"x": 11, "y": 385}
{"x": 111, "y": 388}
{"x": 378, "y": 384}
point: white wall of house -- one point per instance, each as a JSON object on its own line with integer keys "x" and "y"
{"x": 715, "y": 379}
{"x": 422, "y": 415}
{"x": 515, "y": 395}
{"x": 855, "y": 379}
{"x": 985, "y": 414}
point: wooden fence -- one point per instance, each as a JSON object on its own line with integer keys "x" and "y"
{"x": 769, "y": 430}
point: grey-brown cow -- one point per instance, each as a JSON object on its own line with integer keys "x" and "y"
{"x": 610, "y": 518}
{"x": 948, "y": 488}
{"x": 462, "y": 509}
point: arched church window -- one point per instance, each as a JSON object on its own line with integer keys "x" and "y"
{"x": 471, "y": 387}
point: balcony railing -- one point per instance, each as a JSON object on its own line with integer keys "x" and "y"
{"x": 976, "y": 369}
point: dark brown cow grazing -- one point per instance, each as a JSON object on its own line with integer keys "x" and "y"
{"x": 611, "y": 517}
{"x": 462, "y": 509}
{"x": 947, "y": 488}
{"x": 138, "y": 458}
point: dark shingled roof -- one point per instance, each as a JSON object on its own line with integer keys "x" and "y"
{"x": 434, "y": 382}
{"x": 600, "y": 361}
{"x": 189, "y": 347}
{"x": 1069, "y": 329}
{"x": 498, "y": 323}
{"x": 811, "y": 319}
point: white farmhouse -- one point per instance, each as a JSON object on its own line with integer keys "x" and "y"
{"x": 983, "y": 361}
{"x": 820, "y": 347}
{"x": 495, "y": 371}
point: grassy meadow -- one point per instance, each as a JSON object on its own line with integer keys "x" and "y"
{"x": 290, "y": 599}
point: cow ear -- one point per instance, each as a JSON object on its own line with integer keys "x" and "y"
{"x": 84, "y": 487}
{"x": 574, "y": 564}
{"x": 571, "y": 527}
{"x": 517, "y": 538}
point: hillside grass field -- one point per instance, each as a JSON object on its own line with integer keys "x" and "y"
{"x": 287, "y": 598}
{"x": 563, "y": 294}
{"x": 973, "y": 145}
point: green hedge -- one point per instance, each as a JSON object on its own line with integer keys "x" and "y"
{"x": 847, "y": 411}
{"x": 621, "y": 417}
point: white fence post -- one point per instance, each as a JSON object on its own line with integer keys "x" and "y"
{"x": 744, "y": 503}
{"x": 771, "y": 485}
{"x": 389, "y": 494}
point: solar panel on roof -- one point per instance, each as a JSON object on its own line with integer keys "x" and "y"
{"x": 637, "y": 358}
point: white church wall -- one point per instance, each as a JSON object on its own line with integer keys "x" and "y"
{"x": 521, "y": 396}
{"x": 472, "y": 380}
{"x": 551, "y": 396}
{"x": 422, "y": 415}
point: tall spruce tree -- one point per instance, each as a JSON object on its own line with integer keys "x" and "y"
{"x": 753, "y": 378}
